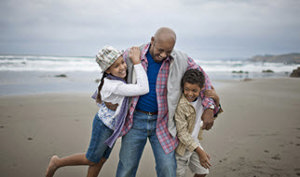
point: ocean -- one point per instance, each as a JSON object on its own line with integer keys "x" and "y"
{"x": 30, "y": 74}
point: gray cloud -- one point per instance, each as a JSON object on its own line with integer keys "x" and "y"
{"x": 205, "y": 29}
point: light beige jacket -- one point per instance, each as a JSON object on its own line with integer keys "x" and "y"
{"x": 185, "y": 118}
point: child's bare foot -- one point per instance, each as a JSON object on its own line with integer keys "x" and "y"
{"x": 52, "y": 166}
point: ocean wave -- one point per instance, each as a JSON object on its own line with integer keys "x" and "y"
{"x": 245, "y": 66}
{"x": 47, "y": 63}
{"x": 88, "y": 64}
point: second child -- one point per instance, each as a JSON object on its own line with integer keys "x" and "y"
{"x": 189, "y": 152}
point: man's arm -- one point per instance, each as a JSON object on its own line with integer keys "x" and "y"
{"x": 213, "y": 94}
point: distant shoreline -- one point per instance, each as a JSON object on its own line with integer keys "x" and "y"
{"x": 290, "y": 58}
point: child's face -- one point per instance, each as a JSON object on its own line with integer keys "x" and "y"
{"x": 191, "y": 91}
{"x": 118, "y": 68}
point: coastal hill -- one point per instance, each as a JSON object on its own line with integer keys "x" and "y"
{"x": 291, "y": 58}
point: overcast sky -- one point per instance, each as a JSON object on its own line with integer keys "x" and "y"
{"x": 205, "y": 29}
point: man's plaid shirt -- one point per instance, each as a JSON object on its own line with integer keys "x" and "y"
{"x": 166, "y": 140}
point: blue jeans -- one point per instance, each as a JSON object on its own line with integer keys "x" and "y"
{"x": 97, "y": 148}
{"x": 133, "y": 144}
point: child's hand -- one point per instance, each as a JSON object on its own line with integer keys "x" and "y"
{"x": 203, "y": 157}
{"x": 134, "y": 55}
{"x": 212, "y": 94}
{"x": 204, "y": 160}
{"x": 111, "y": 106}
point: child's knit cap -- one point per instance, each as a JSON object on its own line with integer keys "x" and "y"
{"x": 107, "y": 56}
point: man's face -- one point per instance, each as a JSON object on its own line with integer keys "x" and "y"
{"x": 160, "y": 49}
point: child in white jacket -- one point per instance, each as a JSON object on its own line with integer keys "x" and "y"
{"x": 107, "y": 123}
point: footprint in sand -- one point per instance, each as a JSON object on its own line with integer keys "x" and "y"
{"x": 223, "y": 160}
{"x": 254, "y": 134}
{"x": 257, "y": 167}
{"x": 272, "y": 134}
{"x": 297, "y": 170}
{"x": 276, "y": 157}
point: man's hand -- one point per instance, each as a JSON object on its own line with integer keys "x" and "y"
{"x": 111, "y": 106}
{"x": 208, "y": 119}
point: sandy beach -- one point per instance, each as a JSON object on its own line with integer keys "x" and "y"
{"x": 257, "y": 135}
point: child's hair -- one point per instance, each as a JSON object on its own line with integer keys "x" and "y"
{"x": 98, "y": 98}
{"x": 105, "y": 58}
{"x": 193, "y": 76}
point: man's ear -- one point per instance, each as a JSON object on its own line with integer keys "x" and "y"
{"x": 152, "y": 40}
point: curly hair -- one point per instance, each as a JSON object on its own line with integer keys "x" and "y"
{"x": 193, "y": 76}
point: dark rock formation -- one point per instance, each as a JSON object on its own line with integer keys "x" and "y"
{"x": 295, "y": 73}
{"x": 61, "y": 75}
{"x": 268, "y": 71}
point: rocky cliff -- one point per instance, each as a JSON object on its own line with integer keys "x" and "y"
{"x": 285, "y": 58}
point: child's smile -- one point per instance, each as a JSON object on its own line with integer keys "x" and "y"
{"x": 118, "y": 68}
{"x": 191, "y": 91}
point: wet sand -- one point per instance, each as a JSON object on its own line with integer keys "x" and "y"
{"x": 257, "y": 135}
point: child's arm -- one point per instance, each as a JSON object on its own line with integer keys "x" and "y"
{"x": 203, "y": 157}
{"x": 185, "y": 137}
{"x": 140, "y": 88}
{"x": 182, "y": 127}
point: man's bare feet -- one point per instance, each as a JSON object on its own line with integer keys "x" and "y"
{"x": 52, "y": 167}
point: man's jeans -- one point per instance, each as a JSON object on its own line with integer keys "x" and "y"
{"x": 133, "y": 143}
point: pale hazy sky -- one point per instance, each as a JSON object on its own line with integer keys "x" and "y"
{"x": 205, "y": 29}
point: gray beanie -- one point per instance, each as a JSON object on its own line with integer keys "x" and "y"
{"x": 107, "y": 56}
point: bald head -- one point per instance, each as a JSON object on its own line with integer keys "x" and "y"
{"x": 165, "y": 34}
{"x": 162, "y": 44}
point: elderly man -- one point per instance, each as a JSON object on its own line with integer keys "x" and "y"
{"x": 151, "y": 116}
